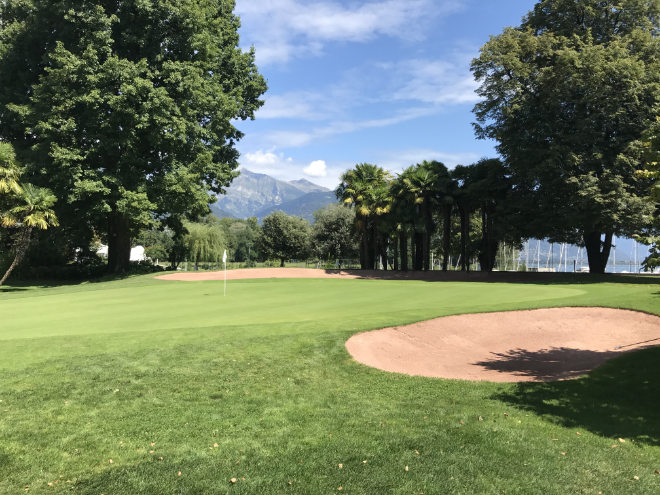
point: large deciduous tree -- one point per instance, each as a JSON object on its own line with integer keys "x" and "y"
{"x": 125, "y": 109}
{"x": 332, "y": 233}
{"x": 565, "y": 94}
{"x": 284, "y": 237}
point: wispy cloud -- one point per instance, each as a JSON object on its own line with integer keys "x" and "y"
{"x": 397, "y": 160}
{"x": 285, "y": 29}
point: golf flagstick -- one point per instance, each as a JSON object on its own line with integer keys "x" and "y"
{"x": 224, "y": 260}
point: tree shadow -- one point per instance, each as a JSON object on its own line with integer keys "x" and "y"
{"x": 12, "y": 289}
{"x": 557, "y": 363}
{"x": 619, "y": 399}
{"x": 501, "y": 277}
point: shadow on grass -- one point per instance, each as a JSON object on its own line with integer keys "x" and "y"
{"x": 12, "y": 289}
{"x": 619, "y": 399}
{"x": 502, "y": 277}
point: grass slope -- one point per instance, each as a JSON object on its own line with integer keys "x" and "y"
{"x": 165, "y": 378}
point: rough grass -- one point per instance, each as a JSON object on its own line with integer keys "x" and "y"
{"x": 165, "y": 378}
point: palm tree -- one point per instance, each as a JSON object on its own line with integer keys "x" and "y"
{"x": 365, "y": 188}
{"x": 462, "y": 175}
{"x": 33, "y": 212}
{"x": 424, "y": 185}
{"x": 9, "y": 171}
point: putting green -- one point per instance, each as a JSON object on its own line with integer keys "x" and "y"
{"x": 163, "y": 305}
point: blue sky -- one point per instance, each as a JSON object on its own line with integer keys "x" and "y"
{"x": 379, "y": 81}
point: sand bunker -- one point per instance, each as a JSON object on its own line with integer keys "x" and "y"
{"x": 536, "y": 345}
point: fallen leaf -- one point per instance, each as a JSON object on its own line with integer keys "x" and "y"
{"x": 364, "y": 462}
{"x": 290, "y": 483}
{"x": 215, "y": 445}
{"x": 577, "y": 432}
{"x": 480, "y": 418}
{"x": 233, "y": 480}
{"x": 110, "y": 461}
{"x": 153, "y": 443}
{"x": 340, "y": 488}
{"x": 614, "y": 446}
{"x": 179, "y": 473}
{"x": 636, "y": 478}
{"x": 417, "y": 452}
{"x": 341, "y": 466}
{"x": 151, "y": 451}
{"x": 563, "y": 453}
{"x": 657, "y": 471}
{"x": 622, "y": 440}
{"x": 406, "y": 468}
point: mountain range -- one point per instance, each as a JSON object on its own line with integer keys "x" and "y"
{"x": 256, "y": 195}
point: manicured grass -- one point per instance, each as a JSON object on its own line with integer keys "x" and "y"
{"x": 96, "y": 372}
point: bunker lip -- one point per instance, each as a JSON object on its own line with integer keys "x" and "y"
{"x": 514, "y": 346}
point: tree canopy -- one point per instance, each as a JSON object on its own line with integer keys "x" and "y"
{"x": 284, "y": 237}
{"x": 565, "y": 94}
{"x": 125, "y": 109}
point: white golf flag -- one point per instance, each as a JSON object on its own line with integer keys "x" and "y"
{"x": 224, "y": 256}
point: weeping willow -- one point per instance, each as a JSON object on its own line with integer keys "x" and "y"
{"x": 204, "y": 243}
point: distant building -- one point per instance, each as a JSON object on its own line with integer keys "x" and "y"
{"x": 137, "y": 253}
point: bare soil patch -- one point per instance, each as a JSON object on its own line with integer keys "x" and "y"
{"x": 536, "y": 345}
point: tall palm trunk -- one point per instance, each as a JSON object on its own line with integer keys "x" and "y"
{"x": 403, "y": 243}
{"x": 428, "y": 226}
{"x": 446, "y": 237}
{"x": 465, "y": 235}
{"x": 396, "y": 254}
{"x": 21, "y": 246}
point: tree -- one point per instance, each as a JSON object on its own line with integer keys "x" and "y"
{"x": 564, "y": 95}
{"x": 33, "y": 211}
{"x": 9, "y": 171}
{"x": 284, "y": 237}
{"x": 333, "y": 232}
{"x": 205, "y": 242}
{"x": 366, "y": 189}
{"x": 650, "y": 150}
{"x": 489, "y": 188}
{"x": 126, "y": 109}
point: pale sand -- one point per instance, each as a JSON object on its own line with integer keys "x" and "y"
{"x": 536, "y": 345}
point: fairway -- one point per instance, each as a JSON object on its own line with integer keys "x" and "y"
{"x": 152, "y": 386}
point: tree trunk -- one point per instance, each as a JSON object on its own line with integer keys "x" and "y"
{"x": 281, "y": 262}
{"x": 446, "y": 237}
{"x": 598, "y": 251}
{"x": 396, "y": 255}
{"x": 419, "y": 251}
{"x": 403, "y": 242}
{"x": 383, "y": 251}
{"x": 465, "y": 234}
{"x": 21, "y": 246}
{"x": 364, "y": 243}
{"x": 428, "y": 225}
{"x": 119, "y": 243}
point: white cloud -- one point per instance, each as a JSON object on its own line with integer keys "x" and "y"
{"x": 316, "y": 169}
{"x": 260, "y": 158}
{"x": 284, "y": 29}
{"x": 436, "y": 81}
{"x": 294, "y": 139}
{"x": 397, "y": 160}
